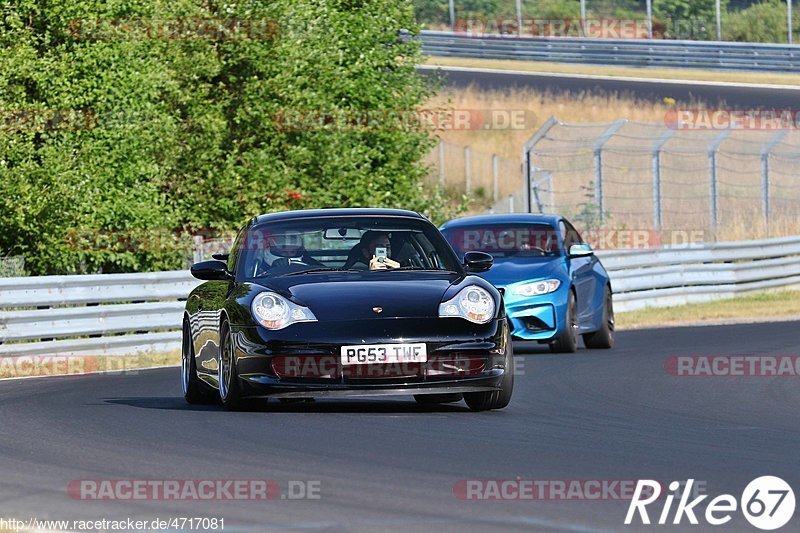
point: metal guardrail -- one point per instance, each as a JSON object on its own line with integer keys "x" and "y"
{"x": 113, "y": 314}
{"x": 666, "y": 277}
{"x": 629, "y": 52}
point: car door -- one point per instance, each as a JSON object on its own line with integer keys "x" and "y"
{"x": 211, "y": 298}
{"x": 581, "y": 271}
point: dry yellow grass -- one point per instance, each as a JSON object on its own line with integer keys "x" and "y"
{"x": 784, "y": 305}
{"x": 539, "y": 106}
{"x": 628, "y": 72}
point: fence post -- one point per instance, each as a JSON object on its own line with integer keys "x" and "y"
{"x": 598, "y": 164}
{"x": 441, "y": 163}
{"x": 765, "y": 150}
{"x": 657, "y": 207}
{"x": 583, "y": 18}
{"x": 527, "y": 168}
{"x": 466, "y": 170}
{"x": 519, "y": 18}
{"x": 510, "y": 203}
{"x": 713, "y": 200}
{"x": 452, "y": 15}
{"x": 494, "y": 177}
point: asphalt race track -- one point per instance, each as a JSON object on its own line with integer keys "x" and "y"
{"x": 392, "y": 465}
{"x": 710, "y": 94}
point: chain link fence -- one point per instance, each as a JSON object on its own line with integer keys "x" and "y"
{"x": 646, "y": 175}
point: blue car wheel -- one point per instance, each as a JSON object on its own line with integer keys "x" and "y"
{"x": 567, "y": 340}
{"x": 604, "y": 337}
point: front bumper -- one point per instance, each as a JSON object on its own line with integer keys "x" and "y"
{"x": 536, "y": 318}
{"x": 304, "y": 359}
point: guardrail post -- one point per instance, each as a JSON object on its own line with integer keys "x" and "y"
{"x": 598, "y": 165}
{"x": 441, "y": 163}
{"x": 774, "y": 141}
{"x": 719, "y": 20}
{"x": 657, "y": 148}
{"x": 789, "y": 15}
{"x": 713, "y": 200}
{"x": 527, "y": 167}
{"x": 519, "y": 18}
{"x": 649, "y": 19}
{"x": 466, "y": 170}
{"x": 494, "y": 177}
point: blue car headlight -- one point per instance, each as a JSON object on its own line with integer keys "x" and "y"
{"x": 472, "y": 302}
{"x": 536, "y": 288}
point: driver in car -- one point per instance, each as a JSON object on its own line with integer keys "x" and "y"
{"x": 367, "y": 252}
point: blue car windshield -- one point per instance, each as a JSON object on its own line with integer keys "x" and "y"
{"x": 505, "y": 240}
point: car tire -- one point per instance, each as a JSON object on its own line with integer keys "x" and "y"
{"x": 194, "y": 390}
{"x": 230, "y": 387}
{"x": 603, "y": 338}
{"x": 567, "y": 341}
{"x": 429, "y": 399}
{"x": 484, "y": 401}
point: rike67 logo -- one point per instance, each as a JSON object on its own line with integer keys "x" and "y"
{"x": 767, "y": 503}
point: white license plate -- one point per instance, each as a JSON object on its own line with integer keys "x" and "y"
{"x": 369, "y": 354}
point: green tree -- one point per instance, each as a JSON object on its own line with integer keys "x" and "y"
{"x": 184, "y": 135}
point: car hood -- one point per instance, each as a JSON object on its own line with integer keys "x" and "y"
{"x": 352, "y": 296}
{"x": 506, "y": 272}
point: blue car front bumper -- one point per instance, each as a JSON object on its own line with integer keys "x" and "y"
{"x": 536, "y": 318}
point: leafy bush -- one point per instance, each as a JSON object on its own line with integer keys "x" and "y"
{"x": 179, "y": 136}
{"x": 765, "y": 22}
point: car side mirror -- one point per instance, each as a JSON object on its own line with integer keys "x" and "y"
{"x": 478, "y": 261}
{"x": 222, "y": 256}
{"x": 580, "y": 250}
{"x": 211, "y": 270}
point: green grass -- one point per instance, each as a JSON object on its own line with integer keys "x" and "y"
{"x": 760, "y": 307}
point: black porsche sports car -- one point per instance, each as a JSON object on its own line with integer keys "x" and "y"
{"x": 345, "y": 302}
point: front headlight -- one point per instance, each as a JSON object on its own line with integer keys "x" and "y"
{"x": 276, "y": 312}
{"x": 473, "y": 303}
{"x": 545, "y": 286}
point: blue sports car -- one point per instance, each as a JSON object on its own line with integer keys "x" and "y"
{"x": 553, "y": 285}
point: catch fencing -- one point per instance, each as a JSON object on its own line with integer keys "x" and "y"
{"x": 648, "y": 175}
{"x": 125, "y": 314}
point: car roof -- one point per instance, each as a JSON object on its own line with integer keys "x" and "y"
{"x": 505, "y": 218}
{"x": 334, "y": 212}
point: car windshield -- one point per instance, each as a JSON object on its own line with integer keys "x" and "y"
{"x": 358, "y": 243}
{"x": 505, "y": 240}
